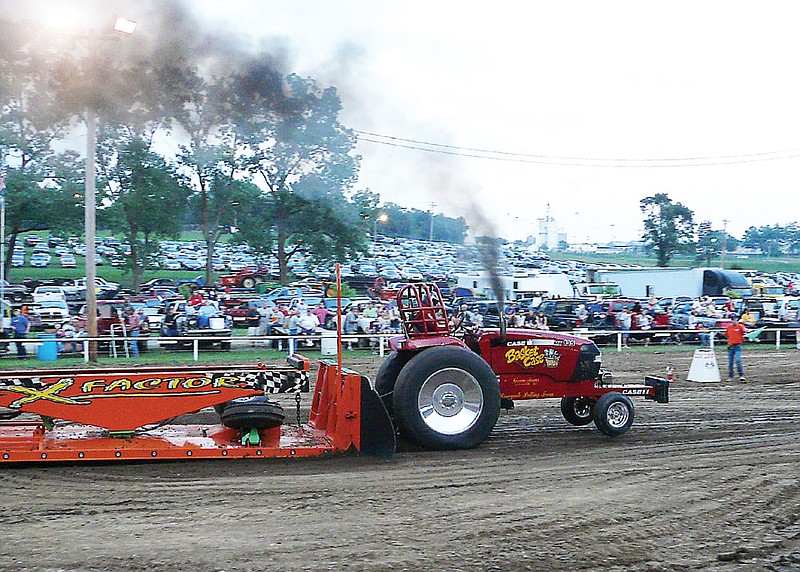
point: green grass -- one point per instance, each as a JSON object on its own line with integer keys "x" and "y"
{"x": 163, "y": 357}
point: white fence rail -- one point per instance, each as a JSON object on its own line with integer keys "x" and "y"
{"x": 379, "y": 342}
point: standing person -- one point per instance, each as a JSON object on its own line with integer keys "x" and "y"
{"x": 21, "y": 326}
{"x": 265, "y": 315}
{"x": 292, "y": 328}
{"x": 624, "y": 323}
{"x": 735, "y": 333}
{"x": 322, "y": 313}
{"x": 169, "y": 325}
{"x": 133, "y": 323}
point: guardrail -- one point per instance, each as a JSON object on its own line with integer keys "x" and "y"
{"x": 379, "y": 342}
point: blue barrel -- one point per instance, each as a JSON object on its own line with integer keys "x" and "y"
{"x": 47, "y": 350}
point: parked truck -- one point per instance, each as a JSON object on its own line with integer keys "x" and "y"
{"x": 660, "y": 282}
{"x": 518, "y": 287}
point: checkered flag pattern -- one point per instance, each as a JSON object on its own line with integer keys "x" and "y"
{"x": 285, "y": 381}
{"x": 30, "y": 382}
{"x": 272, "y": 381}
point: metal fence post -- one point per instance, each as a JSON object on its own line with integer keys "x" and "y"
{"x": 196, "y": 349}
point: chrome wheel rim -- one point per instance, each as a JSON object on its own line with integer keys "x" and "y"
{"x": 617, "y": 415}
{"x": 450, "y": 401}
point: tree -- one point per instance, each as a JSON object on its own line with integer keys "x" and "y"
{"x": 669, "y": 228}
{"x": 415, "y": 223}
{"x": 708, "y": 243}
{"x": 144, "y": 193}
{"x": 768, "y": 239}
{"x": 304, "y": 159}
{"x": 43, "y": 186}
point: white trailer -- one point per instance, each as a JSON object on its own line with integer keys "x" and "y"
{"x": 660, "y": 282}
{"x": 518, "y": 287}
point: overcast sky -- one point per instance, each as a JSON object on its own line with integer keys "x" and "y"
{"x": 585, "y": 106}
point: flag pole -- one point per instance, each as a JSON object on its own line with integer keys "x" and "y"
{"x": 2, "y": 242}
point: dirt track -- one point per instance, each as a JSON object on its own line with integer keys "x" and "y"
{"x": 710, "y": 482}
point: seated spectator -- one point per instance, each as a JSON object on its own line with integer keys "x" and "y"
{"x": 394, "y": 318}
{"x": 530, "y": 319}
{"x": 371, "y": 311}
{"x": 351, "y": 321}
{"x": 196, "y": 299}
{"x": 705, "y": 335}
{"x": 747, "y": 319}
{"x": 204, "y": 314}
{"x": 307, "y": 323}
{"x": 582, "y": 313}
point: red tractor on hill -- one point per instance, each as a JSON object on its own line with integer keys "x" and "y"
{"x": 246, "y": 278}
{"x": 444, "y": 389}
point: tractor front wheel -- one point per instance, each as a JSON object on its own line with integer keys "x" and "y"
{"x": 446, "y": 398}
{"x": 613, "y": 414}
{"x": 248, "y": 282}
{"x": 577, "y": 410}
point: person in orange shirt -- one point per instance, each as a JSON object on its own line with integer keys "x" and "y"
{"x": 735, "y": 333}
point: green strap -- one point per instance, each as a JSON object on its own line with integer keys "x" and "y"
{"x": 251, "y": 437}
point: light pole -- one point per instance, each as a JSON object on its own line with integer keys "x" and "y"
{"x": 382, "y": 218}
{"x": 127, "y": 27}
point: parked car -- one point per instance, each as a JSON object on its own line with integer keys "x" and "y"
{"x": 47, "y": 293}
{"x": 562, "y": 313}
{"x": 40, "y": 260}
{"x": 51, "y": 313}
{"x": 15, "y": 292}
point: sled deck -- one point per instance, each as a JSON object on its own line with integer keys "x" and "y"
{"x": 109, "y": 415}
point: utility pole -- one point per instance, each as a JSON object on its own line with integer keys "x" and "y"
{"x": 430, "y": 237}
{"x": 724, "y": 243}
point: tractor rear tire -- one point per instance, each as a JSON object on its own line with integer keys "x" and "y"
{"x": 446, "y": 398}
{"x": 256, "y": 412}
{"x": 386, "y": 377}
{"x": 613, "y": 414}
{"x": 577, "y": 410}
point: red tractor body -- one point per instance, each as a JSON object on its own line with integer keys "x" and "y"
{"x": 514, "y": 364}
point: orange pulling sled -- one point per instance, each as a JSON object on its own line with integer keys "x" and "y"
{"x": 95, "y": 414}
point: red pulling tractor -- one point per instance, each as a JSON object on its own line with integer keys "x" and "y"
{"x": 443, "y": 391}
